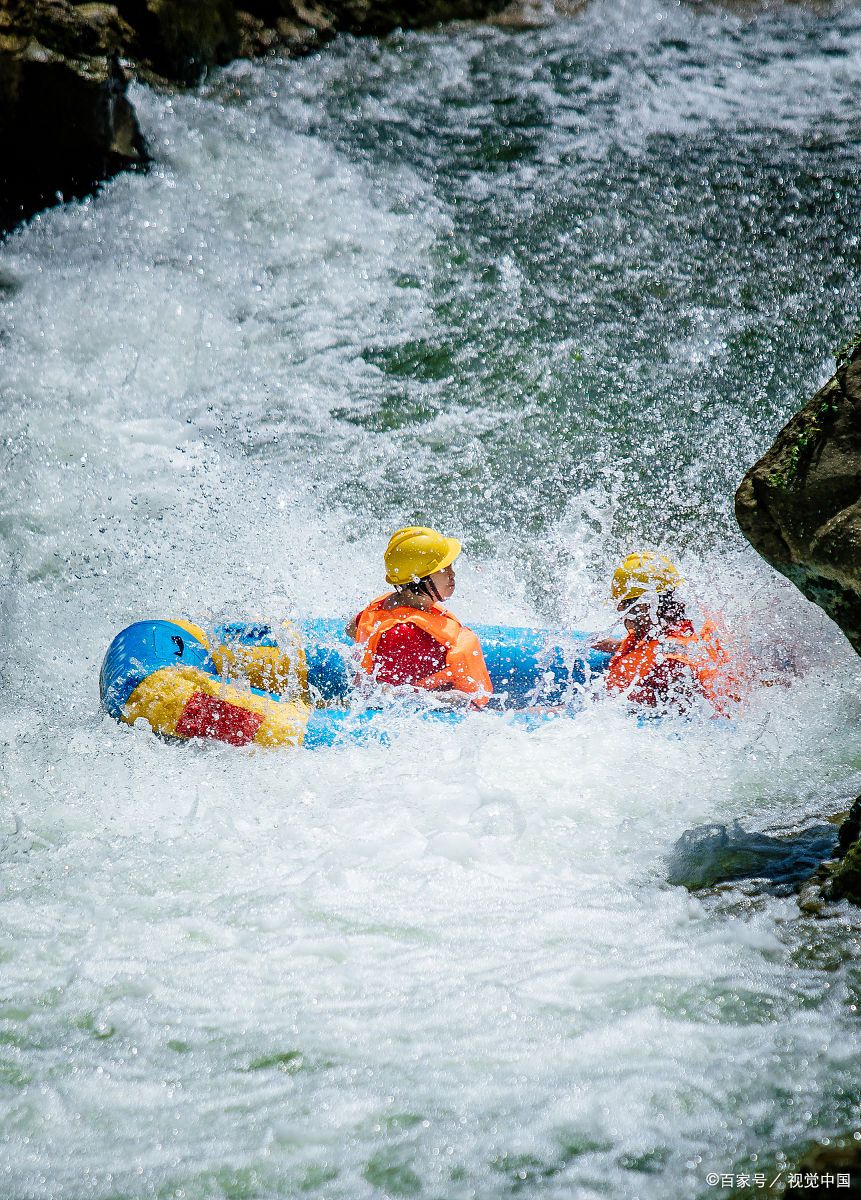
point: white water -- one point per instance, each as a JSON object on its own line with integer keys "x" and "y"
{"x": 452, "y": 966}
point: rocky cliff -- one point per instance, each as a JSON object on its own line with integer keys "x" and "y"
{"x": 800, "y": 505}
{"x": 65, "y": 120}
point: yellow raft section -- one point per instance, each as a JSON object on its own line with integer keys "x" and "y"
{"x": 187, "y": 702}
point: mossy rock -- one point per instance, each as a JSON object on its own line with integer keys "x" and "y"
{"x": 181, "y": 39}
{"x": 799, "y": 505}
{"x": 850, "y": 829}
{"x": 846, "y": 877}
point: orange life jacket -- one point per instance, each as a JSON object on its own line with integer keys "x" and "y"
{"x": 464, "y": 670}
{"x": 673, "y": 667}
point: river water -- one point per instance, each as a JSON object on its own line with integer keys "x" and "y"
{"x": 551, "y": 291}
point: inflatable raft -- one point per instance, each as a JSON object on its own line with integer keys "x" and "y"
{"x": 293, "y": 685}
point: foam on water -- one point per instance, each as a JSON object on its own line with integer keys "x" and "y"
{"x": 382, "y": 285}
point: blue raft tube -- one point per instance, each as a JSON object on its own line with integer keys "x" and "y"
{"x": 293, "y": 684}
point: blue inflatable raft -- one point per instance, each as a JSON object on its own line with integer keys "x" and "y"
{"x": 290, "y": 685}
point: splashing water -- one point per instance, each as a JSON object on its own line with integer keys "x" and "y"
{"x": 552, "y": 292}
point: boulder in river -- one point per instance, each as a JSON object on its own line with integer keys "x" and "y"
{"x": 845, "y": 882}
{"x": 800, "y": 505}
{"x": 179, "y": 39}
{"x": 837, "y": 878}
{"x": 850, "y": 830}
{"x": 65, "y": 121}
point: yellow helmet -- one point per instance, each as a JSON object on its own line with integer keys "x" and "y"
{"x": 641, "y": 573}
{"x": 416, "y": 552}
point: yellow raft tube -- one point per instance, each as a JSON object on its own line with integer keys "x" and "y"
{"x": 245, "y": 685}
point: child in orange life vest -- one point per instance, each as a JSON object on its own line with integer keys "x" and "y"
{"x": 663, "y": 663}
{"x": 410, "y": 638}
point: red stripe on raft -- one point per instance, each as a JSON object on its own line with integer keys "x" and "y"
{"x": 208, "y": 717}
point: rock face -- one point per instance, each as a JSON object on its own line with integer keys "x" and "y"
{"x": 838, "y": 878}
{"x": 65, "y": 121}
{"x": 850, "y": 830}
{"x": 845, "y": 881}
{"x": 800, "y": 505}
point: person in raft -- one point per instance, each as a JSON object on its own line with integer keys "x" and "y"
{"x": 663, "y": 663}
{"x": 409, "y": 637}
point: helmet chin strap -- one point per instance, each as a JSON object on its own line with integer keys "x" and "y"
{"x": 427, "y": 585}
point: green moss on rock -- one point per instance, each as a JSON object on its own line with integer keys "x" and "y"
{"x": 846, "y": 876}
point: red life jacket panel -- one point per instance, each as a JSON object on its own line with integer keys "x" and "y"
{"x": 406, "y": 654}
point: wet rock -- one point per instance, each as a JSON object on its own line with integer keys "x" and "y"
{"x": 713, "y": 854}
{"x": 840, "y": 877}
{"x": 800, "y": 505}
{"x": 812, "y": 899}
{"x": 65, "y": 121}
{"x": 850, "y": 830}
{"x": 380, "y": 17}
{"x": 845, "y": 883}
{"x": 533, "y": 14}
{"x": 180, "y": 39}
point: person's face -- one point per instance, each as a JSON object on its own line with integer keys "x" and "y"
{"x": 639, "y": 618}
{"x": 443, "y": 581}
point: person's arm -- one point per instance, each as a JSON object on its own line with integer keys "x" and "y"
{"x": 352, "y": 628}
{"x": 453, "y": 697}
{"x": 444, "y": 685}
{"x": 607, "y": 645}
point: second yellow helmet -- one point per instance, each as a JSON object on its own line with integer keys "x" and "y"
{"x": 416, "y": 552}
{"x": 641, "y": 573}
